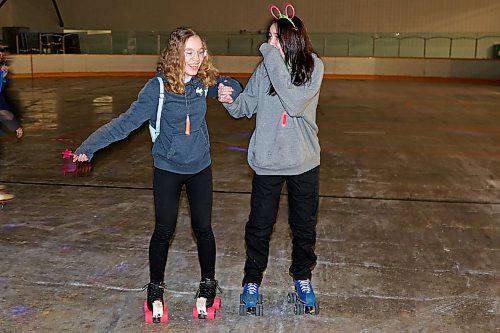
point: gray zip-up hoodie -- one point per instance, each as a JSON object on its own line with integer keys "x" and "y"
{"x": 285, "y": 140}
{"x": 173, "y": 150}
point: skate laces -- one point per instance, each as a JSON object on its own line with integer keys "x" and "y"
{"x": 252, "y": 288}
{"x": 305, "y": 286}
{"x": 155, "y": 290}
{"x": 207, "y": 288}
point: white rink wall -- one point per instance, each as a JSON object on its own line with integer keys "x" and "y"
{"x": 92, "y": 64}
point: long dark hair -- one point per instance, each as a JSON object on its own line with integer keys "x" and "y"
{"x": 298, "y": 50}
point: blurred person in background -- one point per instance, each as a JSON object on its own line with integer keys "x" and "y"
{"x": 7, "y": 118}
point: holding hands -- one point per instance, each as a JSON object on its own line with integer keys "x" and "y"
{"x": 225, "y": 94}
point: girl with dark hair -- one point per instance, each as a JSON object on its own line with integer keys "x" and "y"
{"x": 181, "y": 153}
{"x": 283, "y": 93}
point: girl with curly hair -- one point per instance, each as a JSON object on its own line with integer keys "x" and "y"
{"x": 181, "y": 153}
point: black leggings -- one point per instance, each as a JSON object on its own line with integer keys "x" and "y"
{"x": 7, "y": 118}
{"x": 167, "y": 189}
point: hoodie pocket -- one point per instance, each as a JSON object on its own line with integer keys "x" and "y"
{"x": 184, "y": 149}
{"x": 280, "y": 150}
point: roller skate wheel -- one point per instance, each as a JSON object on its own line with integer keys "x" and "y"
{"x": 211, "y": 313}
{"x": 148, "y": 315}
{"x": 217, "y": 304}
{"x": 316, "y": 308}
{"x": 243, "y": 310}
{"x": 259, "y": 310}
{"x": 195, "y": 312}
{"x": 298, "y": 309}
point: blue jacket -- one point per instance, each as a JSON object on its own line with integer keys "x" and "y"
{"x": 173, "y": 150}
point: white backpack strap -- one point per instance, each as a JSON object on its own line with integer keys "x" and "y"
{"x": 160, "y": 105}
{"x": 156, "y": 131}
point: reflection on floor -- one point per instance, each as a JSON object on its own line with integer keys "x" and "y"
{"x": 408, "y": 230}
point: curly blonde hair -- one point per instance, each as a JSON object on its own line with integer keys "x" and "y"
{"x": 172, "y": 62}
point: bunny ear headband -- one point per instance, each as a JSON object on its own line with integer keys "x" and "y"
{"x": 276, "y": 13}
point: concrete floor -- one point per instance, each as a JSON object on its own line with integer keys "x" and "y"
{"x": 408, "y": 232}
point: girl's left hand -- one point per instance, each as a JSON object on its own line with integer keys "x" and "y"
{"x": 5, "y": 70}
{"x": 80, "y": 158}
{"x": 225, "y": 93}
{"x": 19, "y": 132}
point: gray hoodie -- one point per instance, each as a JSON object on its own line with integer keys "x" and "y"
{"x": 285, "y": 140}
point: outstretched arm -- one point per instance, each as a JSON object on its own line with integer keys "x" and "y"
{"x": 120, "y": 127}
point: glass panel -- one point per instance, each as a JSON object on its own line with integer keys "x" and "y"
{"x": 485, "y": 49}
{"x": 437, "y": 47}
{"x": 360, "y": 46}
{"x": 386, "y": 47}
{"x": 336, "y": 45}
{"x": 463, "y": 48}
{"x": 240, "y": 45}
{"x": 411, "y": 47}
{"x": 419, "y": 45}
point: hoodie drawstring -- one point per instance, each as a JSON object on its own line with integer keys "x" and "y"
{"x": 188, "y": 125}
{"x": 283, "y": 119}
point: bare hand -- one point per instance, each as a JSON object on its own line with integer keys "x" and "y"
{"x": 5, "y": 70}
{"x": 225, "y": 93}
{"x": 19, "y": 132}
{"x": 80, "y": 158}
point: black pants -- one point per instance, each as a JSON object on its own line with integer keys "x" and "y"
{"x": 8, "y": 119}
{"x": 303, "y": 197}
{"x": 167, "y": 189}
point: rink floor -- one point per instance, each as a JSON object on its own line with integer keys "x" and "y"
{"x": 408, "y": 235}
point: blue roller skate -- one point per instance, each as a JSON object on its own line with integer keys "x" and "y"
{"x": 303, "y": 298}
{"x": 251, "y": 300}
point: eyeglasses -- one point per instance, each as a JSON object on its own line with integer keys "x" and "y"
{"x": 191, "y": 54}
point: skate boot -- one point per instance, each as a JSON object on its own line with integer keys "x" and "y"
{"x": 206, "y": 303}
{"x": 5, "y": 198}
{"x": 251, "y": 300}
{"x": 303, "y": 297}
{"x": 155, "y": 310}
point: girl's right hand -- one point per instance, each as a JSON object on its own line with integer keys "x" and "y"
{"x": 225, "y": 94}
{"x": 80, "y": 158}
